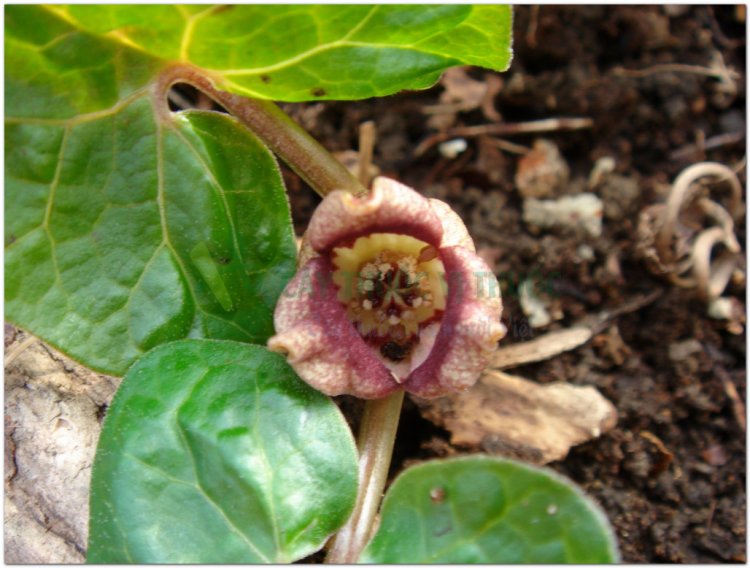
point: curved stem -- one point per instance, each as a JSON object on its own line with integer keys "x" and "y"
{"x": 376, "y": 436}
{"x": 281, "y": 134}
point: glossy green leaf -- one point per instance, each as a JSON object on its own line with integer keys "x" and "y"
{"x": 488, "y": 510}
{"x": 215, "y": 452}
{"x": 104, "y": 218}
{"x": 281, "y": 52}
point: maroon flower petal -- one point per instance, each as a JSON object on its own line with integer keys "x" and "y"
{"x": 390, "y": 207}
{"x": 469, "y": 331}
{"x": 321, "y": 344}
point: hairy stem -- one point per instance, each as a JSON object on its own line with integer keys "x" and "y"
{"x": 376, "y": 436}
{"x": 281, "y": 134}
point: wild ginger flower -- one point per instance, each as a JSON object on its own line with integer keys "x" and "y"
{"x": 389, "y": 294}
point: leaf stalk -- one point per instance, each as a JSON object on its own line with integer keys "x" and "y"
{"x": 377, "y": 434}
{"x": 284, "y": 137}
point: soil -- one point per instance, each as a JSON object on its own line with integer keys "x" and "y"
{"x": 671, "y": 474}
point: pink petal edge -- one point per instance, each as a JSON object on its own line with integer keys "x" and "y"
{"x": 320, "y": 342}
{"x": 469, "y": 331}
{"x": 390, "y": 207}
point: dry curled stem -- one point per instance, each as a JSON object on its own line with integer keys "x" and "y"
{"x": 673, "y": 236}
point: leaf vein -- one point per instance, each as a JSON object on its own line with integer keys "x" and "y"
{"x": 199, "y": 486}
{"x": 81, "y": 118}
{"x": 267, "y": 469}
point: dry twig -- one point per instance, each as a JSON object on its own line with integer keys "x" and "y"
{"x": 726, "y": 76}
{"x": 705, "y": 144}
{"x": 505, "y": 129}
{"x": 544, "y": 347}
{"x": 533, "y": 26}
{"x": 738, "y": 407}
{"x": 366, "y": 146}
{"x": 556, "y": 342}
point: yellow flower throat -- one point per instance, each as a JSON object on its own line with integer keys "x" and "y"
{"x": 391, "y": 285}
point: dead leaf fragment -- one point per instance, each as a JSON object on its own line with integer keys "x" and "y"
{"x": 461, "y": 94}
{"x": 511, "y": 416}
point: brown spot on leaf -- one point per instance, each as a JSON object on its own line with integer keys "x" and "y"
{"x": 265, "y": 78}
{"x": 318, "y": 92}
{"x": 437, "y": 494}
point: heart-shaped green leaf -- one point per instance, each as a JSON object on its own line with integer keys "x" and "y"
{"x": 490, "y": 511}
{"x": 215, "y": 452}
{"x": 125, "y": 231}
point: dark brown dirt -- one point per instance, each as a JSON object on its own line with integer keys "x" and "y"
{"x": 671, "y": 475}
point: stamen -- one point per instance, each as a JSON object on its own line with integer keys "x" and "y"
{"x": 427, "y": 253}
{"x": 369, "y": 271}
{"x": 397, "y": 290}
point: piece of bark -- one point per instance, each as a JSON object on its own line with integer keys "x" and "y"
{"x": 53, "y": 413}
{"x": 511, "y": 416}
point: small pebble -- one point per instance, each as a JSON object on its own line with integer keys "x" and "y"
{"x": 585, "y": 253}
{"x": 581, "y": 213}
{"x": 452, "y": 148}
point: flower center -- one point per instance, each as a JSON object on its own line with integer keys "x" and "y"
{"x": 392, "y": 286}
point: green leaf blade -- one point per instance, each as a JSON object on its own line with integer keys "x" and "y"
{"x": 104, "y": 214}
{"x": 372, "y": 51}
{"x": 57, "y": 70}
{"x": 301, "y": 53}
{"x": 488, "y": 510}
{"x": 215, "y": 452}
{"x": 160, "y": 307}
